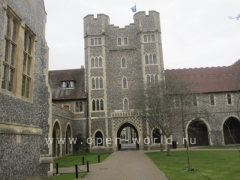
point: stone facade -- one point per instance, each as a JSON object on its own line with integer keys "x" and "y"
{"x": 24, "y": 110}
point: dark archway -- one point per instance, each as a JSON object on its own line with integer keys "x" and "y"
{"x": 135, "y": 144}
{"x": 68, "y": 136}
{"x": 98, "y": 139}
{"x": 56, "y": 135}
{"x": 198, "y": 133}
{"x": 231, "y": 130}
{"x": 156, "y": 136}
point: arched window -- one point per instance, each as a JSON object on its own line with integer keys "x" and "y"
{"x": 92, "y": 62}
{"x": 119, "y": 41}
{"x": 93, "y": 105}
{"x": 101, "y": 83}
{"x": 93, "y": 83}
{"x": 156, "y": 136}
{"x": 124, "y": 82}
{"x": 146, "y": 59}
{"x": 148, "y": 80}
{"x": 97, "y": 103}
{"x": 150, "y": 59}
{"x": 98, "y": 139}
{"x": 100, "y": 62}
{"x": 212, "y": 99}
{"x": 154, "y": 59}
{"x": 96, "y": 62}
{"x": 101, "y": 105}
{"x": 152, "y": 79}
{"x": 125, "y": 104}
{"x": 229, "y": 99}
{"x": 156, "y": 79}
{"x": 97, "y": 83}
{"x": 123, "y": 62}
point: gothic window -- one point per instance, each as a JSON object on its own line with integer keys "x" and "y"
{"x": 148, "y": 80}
{"x": 98, "y": 105}
{"x": 146, "y": 59}
{"x": 124, "y": 62}
{"x": 68, "y": 84}
{"x": 124, "y": 82}
{"x": 125, "y": 104}
{"x": 212, "y": 99}
{"x": 125, "y": 41}
{"x": 152, "y": 79}
{"x": 101, "y": 83}
{"x": 98, "y": 139}
{"x": 96, "y": 41}
{"x": 150, "y": 59}
{"x": 229, "y": 99}
{"x": 96, "y": 62}
{"x": 119, "y": 41}
{"x": 149, "y": 38}
{"x": 78, "y": 106}
{"x": 195, "y": 103}
{"x": 97, "y": 83}
{"x": 92, "y": 62}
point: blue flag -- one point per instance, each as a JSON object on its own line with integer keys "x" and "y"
{"x": 134, "y": 8}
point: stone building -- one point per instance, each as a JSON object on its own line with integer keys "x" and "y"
{"x": 25, "y": 96}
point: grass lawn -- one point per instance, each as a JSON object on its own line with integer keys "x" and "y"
{"x": 217, "y": 165}
{"x": 71, "y": 160}
{"x": 66, "y": 176}
{"x": 221, "y": 147}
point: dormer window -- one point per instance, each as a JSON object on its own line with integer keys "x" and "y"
{"x": 68, "y": 84}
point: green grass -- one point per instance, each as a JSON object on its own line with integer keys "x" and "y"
{"x": 71, "y": 160}
{"x": 210, "y": 165}
{"x": 220, "y": 147}
{"x": 66, "y": 176}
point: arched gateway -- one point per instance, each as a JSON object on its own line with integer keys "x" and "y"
{"x": 127, "y": 137}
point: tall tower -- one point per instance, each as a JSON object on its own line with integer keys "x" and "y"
{"x": 118, "y": 62}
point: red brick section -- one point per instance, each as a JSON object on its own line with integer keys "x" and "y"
{"x": 206, "y": 80}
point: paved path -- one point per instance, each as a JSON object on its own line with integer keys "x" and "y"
{"x": 125, "y": 165}
{"x": 122, "y": 165}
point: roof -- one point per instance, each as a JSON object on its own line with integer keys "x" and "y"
{"x": 59, "y": 93}
{"x": 207, "y": 80}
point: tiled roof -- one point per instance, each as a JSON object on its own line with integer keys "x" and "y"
{"x": 58, "y": 93}
{"x": 206, "y": 80}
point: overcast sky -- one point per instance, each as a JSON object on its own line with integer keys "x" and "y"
{"x": 195, "y": 33}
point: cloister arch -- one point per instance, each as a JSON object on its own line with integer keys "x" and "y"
{"x": 231, "y": 130}
{"x": 197, "y": 131}
{"x": 68, "y": 136}
{"x": 56, "y": 147}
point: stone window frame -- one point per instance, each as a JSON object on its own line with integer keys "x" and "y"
{"x": 18, "y": 58}
{"x": 98, "y": 80}
{"x": 97, "y": 107}
{"x": 123, "y": 58}
{"x": 65, "y": 105}
{"x": 70, "y": 84}
{"x": 212, "y": 100}
{"x": 125, "y": 106}
{"x": 95, "y": 41}
{"x": 96, "y": 62}
{"x": 121, "y": 41}
{"x": 195, "y": 100}
{"x": 124, "y": 85}
{"x": 149, "y": 38}
{"x": 95, "y": 137}
{"x": 231, "y": 99}
{"x": 80, "y": 109}
{"x": 151, "y": 79}
{"x": 147, "y": 59}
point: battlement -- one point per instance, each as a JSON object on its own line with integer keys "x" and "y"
{"x": 99, "y": 17}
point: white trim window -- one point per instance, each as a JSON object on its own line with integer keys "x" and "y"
{"x": 149, "y": 38}
{"x": 125, "y": 104}
{"x": 229, "y": 99}
{"x": 97, "y": 83}
{"x": 96, "y": 62}
{"x": 96, "y": 41}
{"x": 124, "y": 62}
{"x": 97, "y": 105}
{"x": 68, "y": 84}
{"x": 152, "y": 79}
{"x": 125, "y": 84}
{"x": 150, "y": 59}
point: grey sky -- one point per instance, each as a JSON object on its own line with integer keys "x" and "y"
{"x": 195, "y": 33}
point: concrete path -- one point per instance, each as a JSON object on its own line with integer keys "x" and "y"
{"x": 122, "y": 165}
{"x": 125, "y": 165}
